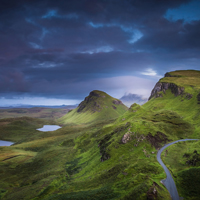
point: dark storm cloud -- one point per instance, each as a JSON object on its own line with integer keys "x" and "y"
{"x": 55, "y": 48}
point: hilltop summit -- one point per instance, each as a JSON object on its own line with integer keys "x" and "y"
{"x": 98, "y": 105}
{"x": 96, "y": 101}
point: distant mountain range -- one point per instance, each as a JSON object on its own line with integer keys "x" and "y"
{"x": 129, "y": 99}
{"x": 43, "y": 106}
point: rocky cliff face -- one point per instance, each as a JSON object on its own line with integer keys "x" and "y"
{"x": 117, "y": 102}
{"x": 162, "y": 86}
{"x": 91, "y": 99}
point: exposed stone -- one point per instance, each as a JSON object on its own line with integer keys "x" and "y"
{"x": 117, "y": 102}
{"x": 157, "y": 139}
{"x": 162, "y": 86}
{"x": 126, "y": 138}
{"x": 152, "y": 192}
{"x": 188, "y": 96}
{"x": 81, "y": 106}
{"x": 88, "y": 99}
{"x": 93, "y": 93}
{"x": 104, "y": 143}
{"x": 168, "y": 74}
{"x": 114, "y": 107}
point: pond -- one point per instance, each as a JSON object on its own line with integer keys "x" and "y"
{"x": 49, "y": 128}
{"x": 5, "y": 143}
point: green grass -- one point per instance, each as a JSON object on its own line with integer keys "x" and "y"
{"x": 36, "y": 112}
{"x": 86, "y": 158}
{"x": 189, "y": 79}
{"x": 98, "y": 106}
{"x": 186, "y": 174}
{"x": 66, "y": 164}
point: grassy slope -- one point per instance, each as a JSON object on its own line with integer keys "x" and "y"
{"x": 189, "y": 79}
{"x": 91, "y": 114}
{"x": 65, "y": 164}
{"x": 186, "y": 174}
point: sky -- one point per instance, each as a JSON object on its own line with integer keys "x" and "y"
{"x": 56, "y": 52}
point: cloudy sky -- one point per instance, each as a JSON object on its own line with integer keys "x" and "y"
{"x": 55, "y": 52}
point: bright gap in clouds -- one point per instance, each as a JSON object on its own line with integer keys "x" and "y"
{"x": 36, "y": 101}
{"x": 103, "y": 49}
{"x": 114, "y": 86}
{"x": 120, "y": 85}
{"x": 150, "y": 72}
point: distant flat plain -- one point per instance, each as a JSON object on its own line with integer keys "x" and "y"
{"x": 35, "y": 112}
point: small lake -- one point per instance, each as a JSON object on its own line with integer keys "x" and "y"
{"x": 5, "y": 143}
{"x": 49, "y": 128}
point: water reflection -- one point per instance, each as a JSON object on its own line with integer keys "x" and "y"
{"x": 49, "y": 128}
{"x": 5, "y": 143}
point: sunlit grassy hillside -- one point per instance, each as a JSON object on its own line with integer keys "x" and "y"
{"x": 111, "y": 159}
{"x": 98, "y": 106}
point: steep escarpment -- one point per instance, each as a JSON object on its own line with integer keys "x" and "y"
{"x": 178, "y": 91}
{"x": 179, "y": 82}
{"x": 162, "y": 87}
{"x": 96, "y": 106}
{"x": 91, "y": 102}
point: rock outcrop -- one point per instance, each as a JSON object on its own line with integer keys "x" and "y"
{"x": 157, "y": 139}
{"x": 90, "y": 99}
{"x": 162, "y": 86}
{"x": 152, "y": 193}
{"x": 117, "y": 102}
{"x": 126, "y": 138}
{"x": 95, "y": 102}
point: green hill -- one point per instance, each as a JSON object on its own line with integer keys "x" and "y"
{"x": 178, "y": 91}
{"x": 97, "y": 106}
{"x": 111, "y": 159}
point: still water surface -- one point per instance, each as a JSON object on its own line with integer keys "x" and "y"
{"x": 5, "y": 143}
{"x": 49, "y": 128}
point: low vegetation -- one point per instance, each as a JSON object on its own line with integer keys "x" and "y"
{"x": 36, "y": 112}
{"x": 183, "y": 160}
{"x": 98, "y": 106}
{"x": 114, "y": 158}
